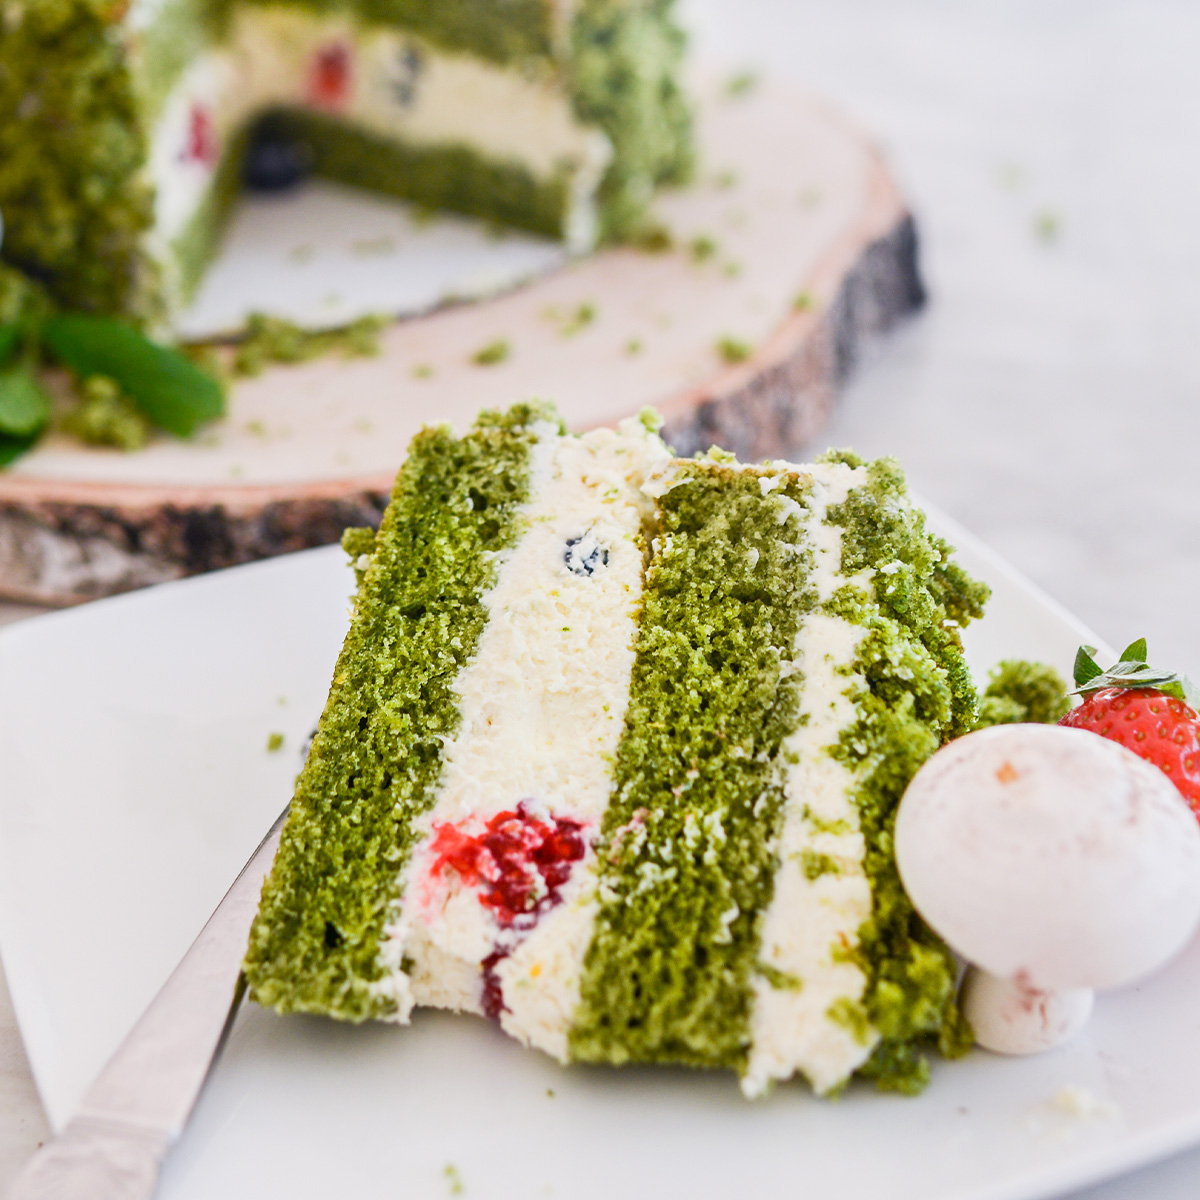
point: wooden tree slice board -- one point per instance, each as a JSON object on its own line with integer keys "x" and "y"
{"x": 798, "y": 203}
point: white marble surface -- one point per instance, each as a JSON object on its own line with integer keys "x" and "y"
{"x": 1049, "y": 397}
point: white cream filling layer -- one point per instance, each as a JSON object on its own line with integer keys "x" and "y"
{"x": 382, "y": 80}
{"x": 398, "y": 85}
{"x": 181, "y": 177}
{"x": 811, "y": 921}
{"x": 542, "y": 709}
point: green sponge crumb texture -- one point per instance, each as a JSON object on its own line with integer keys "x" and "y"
{"x": 72, "y": 149}
{"x": 686, "y": 846}
{"x": 626, "y": 59}
{"x": 377, "y": 755}
{"x": 106, "y": 417}
{"x": 919, "y": 695}
{"x": 511, "y": 31}
{"x": 449, "y": 177}
{"x": 79, "y": 95}
{"x": 1019, "y": 691}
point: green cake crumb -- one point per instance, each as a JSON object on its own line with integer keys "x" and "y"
{"x": 105, "y": 417}
{"x": 921, "y": 696}
{"x": 734, "y": 350}
{"x": 741, "y": 84}
{"x": 666, "y": 977}
{"x": 491, "y": 354}
{"x": 803, "y": 302}
{"x": 851, "y": 1016}
{"x": 376, "y": 757}
{"x": 1047, "y": 226}
{"x": 275, "y": 340}
{"x": 72, "y": 150}
{"x": 783, "y": 981}
{"x": 581, "y": 318}
{"x": 453, "y": 1180}
{"x": 1020, "y": 691}
{"x": 449, "y": 178}
{"x": 814, "y": 864}
{"x": 274, "y": 742}
{"x": 653, "y": 238}
{"x": 624, "y": 70}
{"x": 703, "y": 247}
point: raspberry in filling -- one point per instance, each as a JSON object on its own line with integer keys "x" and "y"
{"x": 519, "y": 863}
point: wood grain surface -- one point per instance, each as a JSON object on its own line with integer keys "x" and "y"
{"x": 794, "y": 242}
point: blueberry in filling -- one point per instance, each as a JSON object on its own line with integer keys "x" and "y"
{"x": 584, "y": 555}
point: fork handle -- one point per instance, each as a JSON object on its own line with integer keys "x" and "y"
{"x": 114, "y": 1145}
{"x": 94, "y": 1160}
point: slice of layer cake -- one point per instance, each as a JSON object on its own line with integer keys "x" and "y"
{"x": 124, "y": 126}
{"x": 611, "y": 756}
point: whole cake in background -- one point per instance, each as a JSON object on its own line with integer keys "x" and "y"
{"x": 125, "y": 127}
{"x": 612, "y": 755}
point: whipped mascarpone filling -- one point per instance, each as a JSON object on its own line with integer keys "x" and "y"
{"x": 821, "y": 893}
{"x": 542, "y": 710}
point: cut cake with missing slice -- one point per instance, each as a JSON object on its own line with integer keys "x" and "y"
{"x": 612, "y": 754}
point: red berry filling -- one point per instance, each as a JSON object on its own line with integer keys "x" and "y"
{"x": 202, "y": 143}
{"x": 519, "y": 862}
{"x": 329, "y": 79}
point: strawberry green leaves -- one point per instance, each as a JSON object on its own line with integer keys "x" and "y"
{"x": 1131, "y": 671}
{"x": 165, "y": 386}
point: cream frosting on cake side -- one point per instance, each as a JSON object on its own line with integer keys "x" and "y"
{"x": 821, "y": 893}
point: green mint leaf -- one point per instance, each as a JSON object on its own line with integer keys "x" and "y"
{"x": 169, "y": 389}
{"x": 1086, "y": 667}
{"x": 13, "y": 447}
{"x": 1134, "y": 652}
{"x": 8, "y": 341}
{"x": 24, "y": 408}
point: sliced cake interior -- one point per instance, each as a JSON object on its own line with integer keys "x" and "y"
{"x": 612, "y": 754}
{"x": 125, "y": 127}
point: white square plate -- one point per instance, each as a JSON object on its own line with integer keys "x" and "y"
{"x": 134, "y": 781}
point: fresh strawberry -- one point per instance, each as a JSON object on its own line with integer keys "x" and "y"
{"x": 1151, "y": 712}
